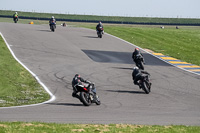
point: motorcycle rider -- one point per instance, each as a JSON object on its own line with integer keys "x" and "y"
{"x": 52, "y": 20}
{"x": 137, "y": 75}
{"x": 78, "y": 80}
{"x": 135, "y": 53}
{"x": 98, "y": 26}
{"x": 15, "y": 16}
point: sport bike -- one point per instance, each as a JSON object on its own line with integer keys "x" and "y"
{"x": 139, "y": 61}
{"x": 145, "y": 83}
{"x": 53, "y": 26}
{"x": 87, "y": 94}
{"x": 100, "y": 32}
{"x": 15, "y": 19}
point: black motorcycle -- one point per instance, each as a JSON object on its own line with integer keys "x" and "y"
{"x": 53, "y": 26}
{"x": 15, "y": 19}
{"x": 100, "y": 32}
{"x": 87, "y": 95}
{"x": 145, "y": 83}
{"x": 139, "y": 61}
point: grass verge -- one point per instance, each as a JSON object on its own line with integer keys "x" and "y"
{"x": 104, "y": 18}
{"x": 17, "y": 85}
{"x": 180, "y": 43}
{"x": 36, "y": 127}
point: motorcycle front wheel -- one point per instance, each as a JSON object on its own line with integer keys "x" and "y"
{"x": 85, "y": 98}
{"x": 52, "y": 28}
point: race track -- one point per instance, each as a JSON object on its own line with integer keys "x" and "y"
{"x": 56, "y": 57}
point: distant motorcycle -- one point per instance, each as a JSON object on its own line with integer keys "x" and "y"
{"x": 100, "y": 32}
{"x": 139, "y": 61}
{"x": 88, "y": 94}
{"x": 15, "y": 19}
{"x": 53, "y": 26}
{"x": 145, "y": 83}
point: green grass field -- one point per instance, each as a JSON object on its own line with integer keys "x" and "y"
{"x": 104, "y": 18}
{"x": 180, "y": 43}
{"x": 17, "y": 85}
{"x": 36, "y": 127}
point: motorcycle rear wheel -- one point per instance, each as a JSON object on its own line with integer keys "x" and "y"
{"x": 98, "y": 102}
{"x": 84, "y": 97}
{"x": 140, "y": 65}
{"x": 146, "y": 87}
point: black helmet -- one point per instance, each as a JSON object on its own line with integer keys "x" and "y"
{"x": 77, "y": 75}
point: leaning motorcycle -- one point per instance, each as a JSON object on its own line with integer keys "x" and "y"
{"x": 139, "y": 61}
{"x": 100, "y": 32}
{"x": 145, "y": 83}
{"x": 87, "y": 95}
{"x": 53, "y": 26}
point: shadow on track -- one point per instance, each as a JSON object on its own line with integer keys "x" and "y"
{"x": 45, "y": 30}
{"x": 91, "y": 36}
{"x": 65, "y": 104}
{"x": 124, "y": 68}
{"x": 121, "y": 91}
{"x": 121, "y": 57}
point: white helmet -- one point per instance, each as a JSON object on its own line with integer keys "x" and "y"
{"x": 135, "y": 68}
{"x": 16, "y": 12}
{"x": 52, "y": 17}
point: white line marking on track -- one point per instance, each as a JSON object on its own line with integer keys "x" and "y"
{"x": 34, "y": 75}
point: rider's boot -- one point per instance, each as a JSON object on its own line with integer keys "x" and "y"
{"x": 74, "y": 94}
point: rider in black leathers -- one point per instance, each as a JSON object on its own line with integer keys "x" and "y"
{"x": 138, "y": 74}
{"x": 51, "y": 20}
{"x": 78, "y": 80}
{"x": 136, "y": 52}
{"x": 99, "y": 25}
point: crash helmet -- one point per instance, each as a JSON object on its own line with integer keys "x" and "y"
{"x": 135, "y": 68}
{"x": 15, "y": 12}
{"x": 77, "y": 75}
{"x": 137, "y": 49}
{"x": 100, "y": 22}
{"x": 52, "y": 17}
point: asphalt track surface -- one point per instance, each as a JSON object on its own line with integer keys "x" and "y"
{"x": 56, "y": 57}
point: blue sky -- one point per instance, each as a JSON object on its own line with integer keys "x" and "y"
{"x": 130, "y": 8}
